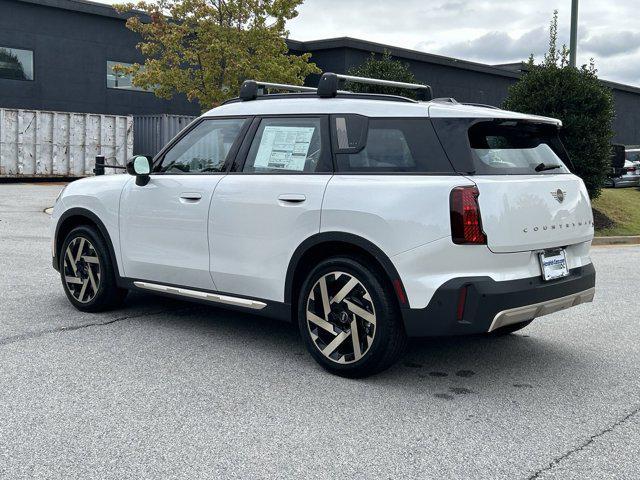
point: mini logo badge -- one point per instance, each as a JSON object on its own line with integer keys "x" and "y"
{"x": 559, "y": 195}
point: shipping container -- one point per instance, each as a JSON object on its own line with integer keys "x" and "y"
{"x": 152, "y": 132}
{"x": 37, "y": 143}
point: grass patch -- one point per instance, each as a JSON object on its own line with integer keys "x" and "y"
{"x": 622, "y": 206}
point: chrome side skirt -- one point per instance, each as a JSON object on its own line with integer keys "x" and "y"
{"x": 197, "y": 294}
{"x": 528, "y": 312}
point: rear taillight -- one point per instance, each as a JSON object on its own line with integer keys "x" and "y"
{"x": 631, "y": 169}
{"x": 466, "y": 224}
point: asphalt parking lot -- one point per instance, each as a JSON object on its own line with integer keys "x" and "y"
{"x": 166, "y": 389}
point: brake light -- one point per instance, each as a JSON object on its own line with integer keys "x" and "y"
{"x": 631, "y": 169}
{"x": 466, "y": 223}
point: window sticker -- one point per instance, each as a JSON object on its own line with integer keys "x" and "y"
{"x": 284, "y": 148}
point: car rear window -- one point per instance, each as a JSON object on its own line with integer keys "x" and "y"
{"x": 502, "y": 147}
{"x": 515, "y": 148}
{"x": 633, "y": 155}
{"x": 391, "y": 145}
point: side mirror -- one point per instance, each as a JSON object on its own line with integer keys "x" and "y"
{"x": 140, "y": 166}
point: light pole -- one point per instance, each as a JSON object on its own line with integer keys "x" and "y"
{"x": 573, "y": 42}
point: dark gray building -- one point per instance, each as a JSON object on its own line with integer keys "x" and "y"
{"x": 57, "y": 54}
{"x": 465, "y": 81}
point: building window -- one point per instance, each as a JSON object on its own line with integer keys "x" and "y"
{"x": 16, "y": 64}
{"x": 122, "y": 81}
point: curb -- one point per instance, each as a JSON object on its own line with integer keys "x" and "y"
{"x": 630, "y": 240}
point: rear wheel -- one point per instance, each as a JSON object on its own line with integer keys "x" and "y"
{"x": 349, "y": 319}
{"x": 506, "y": 330}
{"x": 87, "y": 273}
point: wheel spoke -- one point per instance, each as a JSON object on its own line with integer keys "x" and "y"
{"x": 72, "y": 262}
{"x": 325, "y": 297}
{"x": 355, "y": 339}
{"x": 79, "y": 251}
{"x": 83, "y": 289}
{"x": 94, "y": 285}
{"x": 89, "y": 259}
{"x": 74, "y": 280}
{"x": 344, "y": 291}
{"x": 361, "y": 312}
{"x": 329, "y": 349}
{"x": 322, "y": 323}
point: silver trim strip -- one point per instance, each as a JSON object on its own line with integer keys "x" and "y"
{"x": 528, "y": 312}
{"x": 210, "y": 297}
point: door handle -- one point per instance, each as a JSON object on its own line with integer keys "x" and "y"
{"x": 190, "y": 197}
{"x": 292, "y": 198}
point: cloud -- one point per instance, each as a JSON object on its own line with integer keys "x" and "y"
{"x": 497, "y": 46}
{"x": 614, "y": 43}
{"x": 486, "y": 31}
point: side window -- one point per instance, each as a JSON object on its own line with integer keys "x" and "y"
{"x": 396, "y": 145}
{"x": 204, "y": 149}
{"x": 289, "y": 145}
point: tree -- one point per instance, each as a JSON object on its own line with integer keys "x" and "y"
{"x": 385, "y": 68}
{"x": 579, "y": 99}
{"x": 205, "y": 49}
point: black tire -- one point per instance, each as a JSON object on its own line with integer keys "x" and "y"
{"x": 93, "y": 268}
{"x": 514, "y": 327}
{"x": 388, "y": 340}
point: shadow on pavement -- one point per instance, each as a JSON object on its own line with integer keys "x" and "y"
{"x": 520, "y": 360}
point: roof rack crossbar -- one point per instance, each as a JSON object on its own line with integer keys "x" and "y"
{"x": 251, "y": 89}
{"x": 329, "y": 82}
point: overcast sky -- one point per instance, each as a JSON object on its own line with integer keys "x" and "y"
{"x": 491, "y": 31}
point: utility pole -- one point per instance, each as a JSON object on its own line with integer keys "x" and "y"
{"x": 573, "y": 42}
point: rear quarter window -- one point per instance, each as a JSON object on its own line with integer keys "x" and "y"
{"x": 388, "y": 145}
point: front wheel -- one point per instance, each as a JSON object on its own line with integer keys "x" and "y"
{"x": 349, "y": 319}
{"x": 87, "y": 272}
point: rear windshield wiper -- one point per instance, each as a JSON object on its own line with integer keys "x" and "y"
{"x": 542, "y": 167}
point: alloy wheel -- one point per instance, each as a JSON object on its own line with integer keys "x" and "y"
{"x": 81, "y": 270}
{"x": 341, "y": 317}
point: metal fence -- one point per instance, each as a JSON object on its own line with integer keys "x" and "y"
{"x": 37, "y": 143}
{"x": 152, "y": 132}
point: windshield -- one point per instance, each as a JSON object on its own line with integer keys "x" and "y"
{"x": 516, "y": 148}
{"x": 633, "y": 155}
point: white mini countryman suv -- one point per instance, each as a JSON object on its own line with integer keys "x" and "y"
{"x": 364, "y": 218}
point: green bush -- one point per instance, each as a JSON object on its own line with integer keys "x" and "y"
{"x": 579, "y": 99}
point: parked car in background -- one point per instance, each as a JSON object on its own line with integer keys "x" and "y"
{"x": 630, "y": 176}
{"x": 633, "y": 155}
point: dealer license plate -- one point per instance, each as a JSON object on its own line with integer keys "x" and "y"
{"x": 554, "y": 264}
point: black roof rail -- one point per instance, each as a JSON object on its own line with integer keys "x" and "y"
{"x": 329, "y": 83}
{"x": 251, "y": 89}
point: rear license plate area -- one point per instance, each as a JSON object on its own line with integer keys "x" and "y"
{"x": 553, "y": 264}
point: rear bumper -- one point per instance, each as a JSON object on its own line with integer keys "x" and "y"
{"x": 490, "y": 305}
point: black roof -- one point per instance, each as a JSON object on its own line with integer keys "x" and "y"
{"x": 510, "y": 70}
{"x": 82, "y": 6}
{"x": 405, "y": 53}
